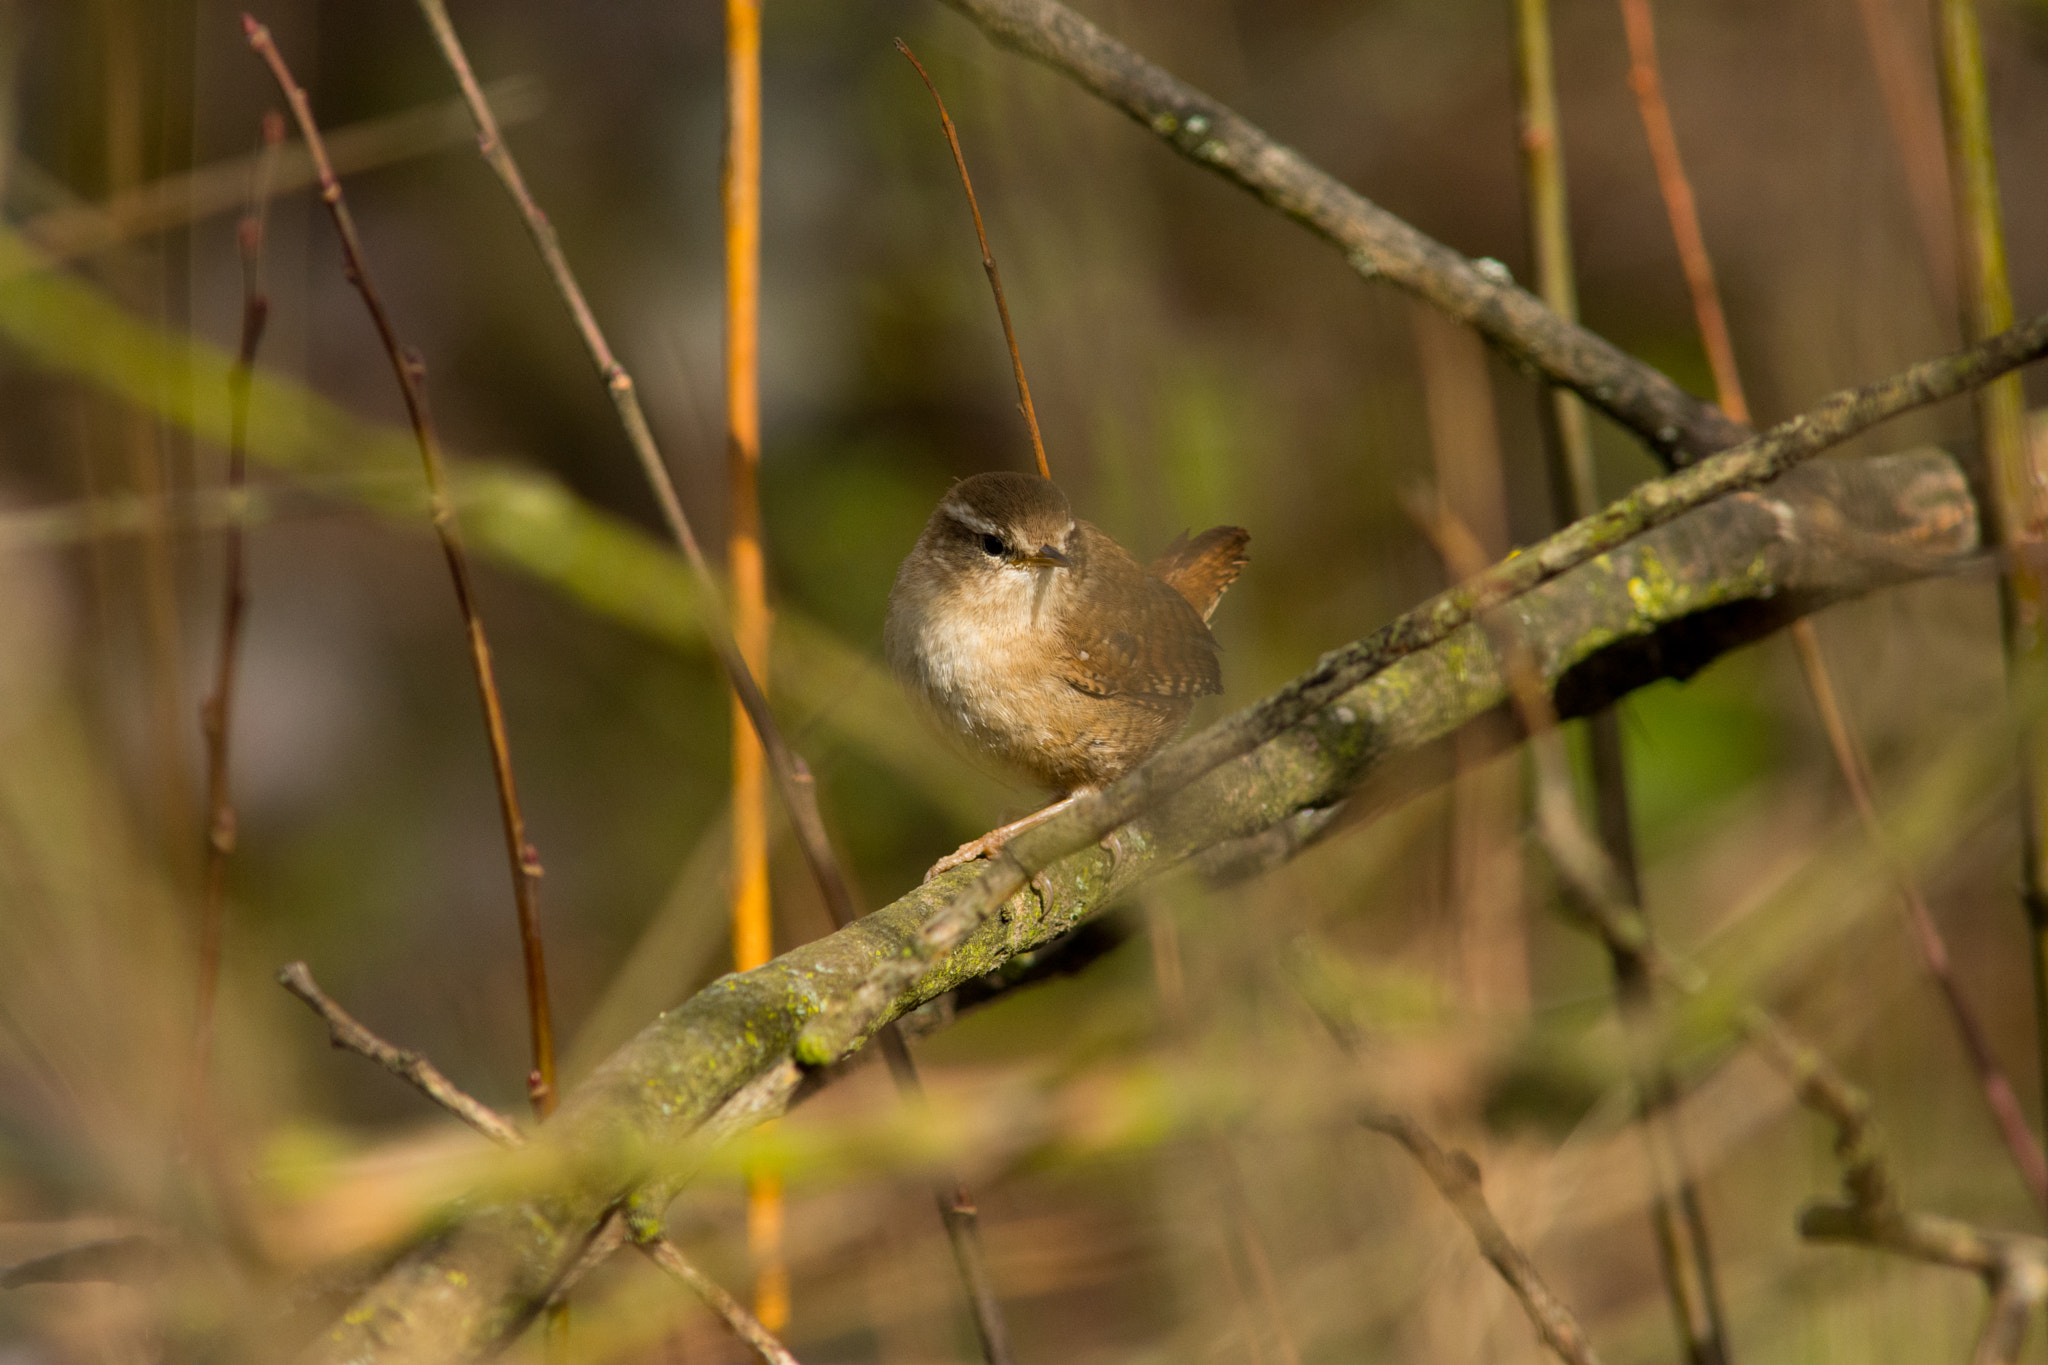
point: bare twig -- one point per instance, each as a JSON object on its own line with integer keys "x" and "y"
{"x": 1648, "y": 84}
{"x": 217, "y": 712}
{"x": 1456, "y": 1177}
{"x": 1848, "y": 751}
{"x": 410, "y": 1067}
{"x": 409, "y": 371}
{"x": 1090, "y": 819}
{"x": 1376, "y": 243}
{"x": 743, "y": 1324}
{"x": 2016, "y": 1292}
{"x": 1570, "y": 445}
{"x": 1922, "y": 1237}
{"x": 988, "y": 263}
{"x": 1914, "y": 113}
{"x": 792, "y": 777}
{"x": 2018, "y": 482}
{"x": 415, "y": 1070}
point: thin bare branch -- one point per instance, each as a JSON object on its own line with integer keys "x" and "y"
{"x": 2016, "y": 1293}
{"x": 1456, "y": 1177}
{"x": 417, "y": 1071}
{"x": 217, "y": 713}
{"x": 2017, "y": 479}
{"x": 1676, "y": 187}
{"x": 1378, "y": 245}
{"x": 743, "y": 1324}
{"x": 410, "y": 373}
{"x": 792, "y": 777}
{"x": 988, "y": 263}
{"x": 411, "y": 1067}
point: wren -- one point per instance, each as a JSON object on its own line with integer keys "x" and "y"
{"x": 1044, "y": 646}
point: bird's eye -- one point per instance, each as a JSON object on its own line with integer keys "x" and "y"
{"x": 993, "y": 545}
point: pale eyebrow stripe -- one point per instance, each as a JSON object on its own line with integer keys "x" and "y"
{"x": 959, "y": 513}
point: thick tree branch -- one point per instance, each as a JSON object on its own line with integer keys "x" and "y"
{"x": 1678, "y": 426}
{"x": 1167, "y": 775}
{"x": 1659, "y": 605}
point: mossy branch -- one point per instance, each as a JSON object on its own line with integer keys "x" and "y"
{"x": 1661, "y": 605}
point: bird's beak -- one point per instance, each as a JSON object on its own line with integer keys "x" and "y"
{"x": 1046, "y": 557}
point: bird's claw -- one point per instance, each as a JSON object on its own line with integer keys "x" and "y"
{"x": 984, "y": 847}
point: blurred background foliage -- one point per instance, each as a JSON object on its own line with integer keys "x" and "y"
{"x": 1195, "y": 359}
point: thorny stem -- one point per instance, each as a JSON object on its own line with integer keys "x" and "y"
{"x": 988, "y": 263}
{"x": 410, "y": 373}
{"x": 349, "y": 1034}
{"x": 216, "y": 714}
{"x": 793, "y": 777}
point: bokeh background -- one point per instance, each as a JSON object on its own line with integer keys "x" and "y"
{"x": 1160, "y": 1145}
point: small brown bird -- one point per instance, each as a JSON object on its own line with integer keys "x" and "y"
{"x": 1044, "y": 645}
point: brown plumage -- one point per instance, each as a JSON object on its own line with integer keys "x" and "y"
{"x": 1200, "y": 568}
{"x": 1041, "y": 643}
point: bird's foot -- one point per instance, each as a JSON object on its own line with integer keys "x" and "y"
{"x": 987, "y": 846}
{"x": 991, "y": 843}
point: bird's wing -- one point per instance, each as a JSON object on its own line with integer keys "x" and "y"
{"x": 1132, "y": 635}
{"x": 1199, "y": 569}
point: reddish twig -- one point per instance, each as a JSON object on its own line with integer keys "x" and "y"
{"x": 1913, "y": 111}
{"x": 216, "y": 712}
{"x": 1998, "y": 1092}
{"x": 1648, "y": 85}
{"x": 792, "y": 777}
{"x": 988, "y": 263}
{"x": 2014, "y": 471}
{"x": 410, "y": 373}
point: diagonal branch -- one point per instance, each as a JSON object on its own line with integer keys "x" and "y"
{"x": 1754, "y": 462}
{"x": 1456, "y": 1177}
{"x": 347, "y": 1033}
{"x": 1378, "y": 245}
{"x": 407, "y": 367}
{"x": 1726, "y": 574}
